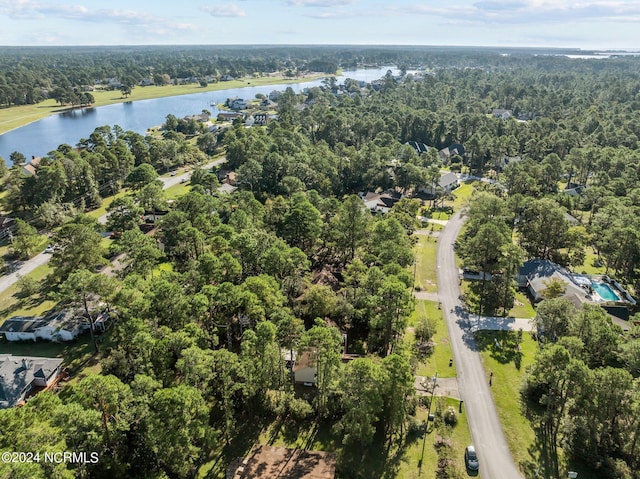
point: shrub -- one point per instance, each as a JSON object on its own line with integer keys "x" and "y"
{"x": 451, "y": 416}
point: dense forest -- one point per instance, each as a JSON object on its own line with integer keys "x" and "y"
{"x": 291, "y": 260}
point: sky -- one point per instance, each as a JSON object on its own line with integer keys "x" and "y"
{"x": 587, "y": 24}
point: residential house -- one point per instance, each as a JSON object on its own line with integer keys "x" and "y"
{"x": 380, "y": 202}
{"x": 238, "y": 104}
{"x": 21, "y": 376}
{"x": 419, "y": 147}
{"x": 61, "y": 326}
{"x": 227, "y": 78}
{"x": 274, "y": 95}
{"x": 31, "y": 168}
{"x": 200, "y": 118}
{"x": 448, "y": 152}
{"x": 7, "y": 226}
{"x": 448, "y": 182}
{"x": 502, "y": 113}
{"x": 574, "y": 189}
{"x": 146, "y": 82}
{"x": 304, "y": 370}
{"x": 268, "y": 105}
{"x": 535, "y": 274}
{"x": 505, "y": 160}
{"x": 113, "y": 83}
{"x": 261, "y": 119}
{"x": 226, "y": 176}
{"x": 227, "y": 188}
{"x": 57, "y": 326}
{"x": 21, "y": 328}
{"x": 230, "y": 115}
{"x": 268, "y": 462}
{"x": 526, "y": 116}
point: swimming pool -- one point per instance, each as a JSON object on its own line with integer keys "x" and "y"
{"x": 604, "y": 291}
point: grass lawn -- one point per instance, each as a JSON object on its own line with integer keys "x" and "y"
{"x": 462, "y": 195}
{"x": 439, "y": 360}
{"x": 507, "y": 378}
{"x": 97, "y": 213}
{"x": 425, "y": 252}
{"x": 12, "y": 305}
{"x": 18, "y": 116}
{"x": 440, "y": 215}
{"x": 590, "y": 262}
{"x": 177, "y": 190}
{"x": 522, "y": 307}
{"x": 506, "y": 389}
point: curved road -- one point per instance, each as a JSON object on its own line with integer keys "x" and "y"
{"x": 28, "y": 266}
{"x": 495, "y": 458}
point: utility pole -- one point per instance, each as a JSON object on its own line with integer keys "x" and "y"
{"x": 424, "y": 438}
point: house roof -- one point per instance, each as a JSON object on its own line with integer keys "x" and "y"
{"x": 453, "y": 149}
{"x": 384, "y": 199}
{"x": 419, "y": 147}
{"x": 540, "y": 271}
{"x": 18, "y": 372}
{"x": 268, "y": 462}
{"x": 227, "y": 188}
{"x": 6, "y": 222}
{"x": 448, "y": 179}
{"x": 22, "y": 324}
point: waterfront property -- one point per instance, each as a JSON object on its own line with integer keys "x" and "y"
{"x": 23, "y": 376}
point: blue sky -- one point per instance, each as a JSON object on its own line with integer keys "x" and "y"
{"x": 600, "y": 24}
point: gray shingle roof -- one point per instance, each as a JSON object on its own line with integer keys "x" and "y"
{"x": 17, "y": 374}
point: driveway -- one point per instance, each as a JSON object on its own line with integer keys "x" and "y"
{"x": 495, "y": 459}
{"x": 43, "y": 258}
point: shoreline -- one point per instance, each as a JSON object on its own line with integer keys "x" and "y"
{"x": 142, "y": 94}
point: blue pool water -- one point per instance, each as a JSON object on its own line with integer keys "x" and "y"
{"x": 604, "y": 291}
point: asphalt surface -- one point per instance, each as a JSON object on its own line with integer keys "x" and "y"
{"x": 495, "y": 459}
{"x": 28, "y": 266}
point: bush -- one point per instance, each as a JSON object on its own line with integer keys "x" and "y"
{"x": 451, "y": 416}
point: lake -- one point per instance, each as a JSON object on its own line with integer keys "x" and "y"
{"x": 40, "y": 137}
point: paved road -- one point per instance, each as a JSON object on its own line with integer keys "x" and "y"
{"x": 25, "y": 268}
{"x": 43, "y": 258}
{"x": 495, "y": 459}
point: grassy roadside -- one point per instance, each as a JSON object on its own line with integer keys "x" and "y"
{"x": 15, "y": 117}
{"x": 425, "y": 252}
{"x": 438, "y": 361}
{"x": 507, "y": 378}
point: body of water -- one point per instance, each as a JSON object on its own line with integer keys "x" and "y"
{"x": 40, "y": 137}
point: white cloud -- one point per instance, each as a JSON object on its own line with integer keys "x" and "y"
{"x": 29, "y": 9}
{"x": 525, "y": 11}
{"x": 319, "y": 3}
{"x": 225, "y": 11}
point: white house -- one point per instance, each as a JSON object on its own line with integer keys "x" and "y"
{"x": 380, "y": 202}
{"x": 21, "y": 328}
{"x": 448, "y": 182}
{"x": 62, "y": 326}
{"x": 59, "y": 326}
{"x": 502, "y": 113}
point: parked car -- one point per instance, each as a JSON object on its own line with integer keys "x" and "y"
{"x": 471, "y": 458}
{"x": 49, "y": 249}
